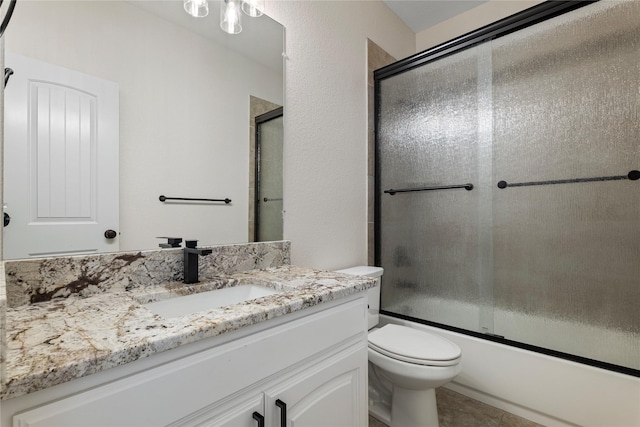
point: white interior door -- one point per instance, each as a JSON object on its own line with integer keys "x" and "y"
{"x": 60, "y": 161}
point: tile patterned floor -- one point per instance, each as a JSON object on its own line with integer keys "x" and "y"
{"x": 456, "y": 410}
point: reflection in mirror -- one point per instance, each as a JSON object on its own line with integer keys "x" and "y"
{"x": 182, "y": 108}
{"x": 268, "y": 184}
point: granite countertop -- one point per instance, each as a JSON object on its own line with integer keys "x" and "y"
{"x": 52, "y": 342}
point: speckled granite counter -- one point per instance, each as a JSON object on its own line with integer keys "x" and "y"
{"x": 3, "y": 334}
{"x": 55, "y": 341}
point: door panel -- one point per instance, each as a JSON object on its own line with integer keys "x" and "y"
{"x": 61, "y": 161}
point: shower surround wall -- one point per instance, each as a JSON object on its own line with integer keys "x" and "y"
{"x": 551, "y": 266}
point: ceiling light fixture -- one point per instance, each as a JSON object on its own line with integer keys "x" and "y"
{"x": 230, "y": 16}
{"x": 253, "y": 8}
{"x": 196, "y": 8}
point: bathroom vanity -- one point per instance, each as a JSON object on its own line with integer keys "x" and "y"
{"x": 297, "y": 355}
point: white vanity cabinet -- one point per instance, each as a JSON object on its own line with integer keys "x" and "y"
{"x": 313, "y": 361}
{"x": 326, "y": 395}
{"x": 318, "y": 394}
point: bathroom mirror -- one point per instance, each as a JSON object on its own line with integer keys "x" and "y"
{"x": 184, "y": 122}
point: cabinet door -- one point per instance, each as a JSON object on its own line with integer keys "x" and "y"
{"x": 236, "y": 412}
{"x": 331, "y": 393}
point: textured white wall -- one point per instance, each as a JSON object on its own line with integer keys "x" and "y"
{"x": 484, "y": 14}
{"x": 325, "y": 152}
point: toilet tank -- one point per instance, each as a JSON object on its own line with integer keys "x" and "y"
{"x": 373, "y": 294}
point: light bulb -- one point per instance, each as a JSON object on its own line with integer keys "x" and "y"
{"x": 230, "y": 16}
{"x": 196, "y": 8}
{"x": 253, "y": 8}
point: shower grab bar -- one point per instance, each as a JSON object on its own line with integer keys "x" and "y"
{"x": 467, "y": 187}
{"x": 633, "y": 175}
{"x": 271, "y": 200}
{"x": 164, "y": 198}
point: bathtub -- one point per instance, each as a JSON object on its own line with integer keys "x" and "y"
{"x": 544, "y": 389}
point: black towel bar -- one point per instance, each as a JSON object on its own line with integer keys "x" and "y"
{"x": 164, "y": 198}
{"x": 633, "y": 175}
{"x": 467, "y": 187}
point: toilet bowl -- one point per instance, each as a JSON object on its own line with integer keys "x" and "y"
{"x": 414, "y": 362}
{"x": 405, "y": 366}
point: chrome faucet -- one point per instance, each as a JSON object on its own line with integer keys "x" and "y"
{"x": 191, "y": 254}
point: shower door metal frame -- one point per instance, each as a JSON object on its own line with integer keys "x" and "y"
{"x": 519, "y": 21}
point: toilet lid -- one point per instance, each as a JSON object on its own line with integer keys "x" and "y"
{"x": 414, "y": 346}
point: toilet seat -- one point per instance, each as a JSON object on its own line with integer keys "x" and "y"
{"x": 414, "y": 346}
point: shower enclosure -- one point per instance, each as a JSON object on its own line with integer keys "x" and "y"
{"x": 268, "y": 173}
{"x": 507, "y": 191}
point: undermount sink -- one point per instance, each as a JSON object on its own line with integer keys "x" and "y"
{"x": 183, "y": 305}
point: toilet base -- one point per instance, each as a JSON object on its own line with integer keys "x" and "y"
{"x": 414, "y": 408}
{"x": 381, "y": 412}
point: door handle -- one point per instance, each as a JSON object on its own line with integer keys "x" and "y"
{"x": 259, "y": 418}
{"x": 283, "y": 412}
{"x": 110, "y": 234}
{"x": 7, "y": 219}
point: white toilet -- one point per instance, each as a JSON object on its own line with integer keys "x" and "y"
{"x": 405, "y": 366}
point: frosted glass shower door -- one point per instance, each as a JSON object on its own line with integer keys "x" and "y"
{"x": 428, "y": 131}
{"x": 567, "y": 256}
{"x": 544, "y": 120}
{"x": 269, "y": 201}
